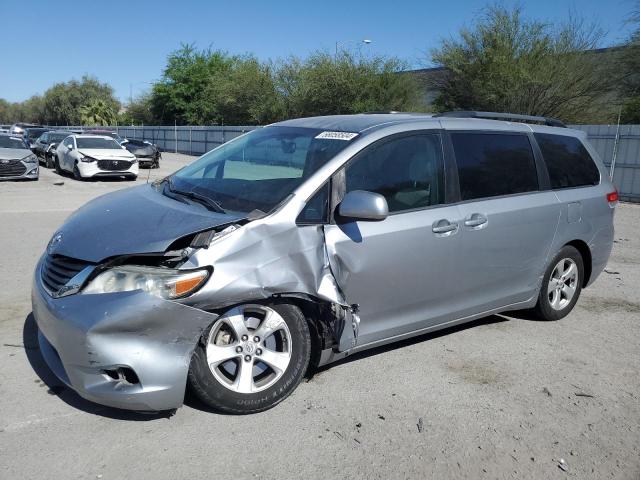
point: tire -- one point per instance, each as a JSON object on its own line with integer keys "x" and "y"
{"x": 48, "y": 161}
{"x": 76, "y": 173}
{"x": 561, "y": 285}
{"x": 287, "y": 340}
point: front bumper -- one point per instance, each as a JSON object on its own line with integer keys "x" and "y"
{"x": 82, "y": 336}
{"x": 31, "y": 171}
{"x": 146, "y": 161}
{"x": 91, "y": 169}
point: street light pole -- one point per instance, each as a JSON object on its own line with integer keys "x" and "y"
{"x": 366, "y": 41}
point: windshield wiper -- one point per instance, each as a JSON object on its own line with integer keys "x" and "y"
{"x": 201, "y": 199}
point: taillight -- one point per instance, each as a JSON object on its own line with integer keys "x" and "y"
{"x": 612, "y": 198}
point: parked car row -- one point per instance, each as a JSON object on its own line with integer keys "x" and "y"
{"x": 86, "y": 154}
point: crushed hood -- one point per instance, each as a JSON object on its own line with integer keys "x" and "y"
{"x": 132, "y": 221}
{"x": 106, "y": 154}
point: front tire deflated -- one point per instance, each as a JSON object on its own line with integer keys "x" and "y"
{"x": 251, "y": 358}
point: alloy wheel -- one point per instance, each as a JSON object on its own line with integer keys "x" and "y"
{"x": 563, "y": 284}
{"x": 249, "y": 348}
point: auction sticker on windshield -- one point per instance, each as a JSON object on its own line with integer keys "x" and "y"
{"x": 337, "y": 135}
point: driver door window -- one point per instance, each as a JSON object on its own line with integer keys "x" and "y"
{"x": 406, "y": 170}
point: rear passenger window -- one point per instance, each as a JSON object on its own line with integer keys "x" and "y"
{"x": 407, "y": 171}
{"x": 493, "y": 164}
{"x": 568, "y": 161}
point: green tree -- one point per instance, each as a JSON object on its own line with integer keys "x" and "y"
{"x": 630, "y": 62}
{"x": 181, "y": 94}
{"x": 202, "y": 87}
{"x": 138, "y": 112}
{"x": 507, "y": 63}
{"x": 63, "y": 101}
{"x": 325, "y": 84}
{"x": 245, "y": 94}
{"x": 97, "y": 112}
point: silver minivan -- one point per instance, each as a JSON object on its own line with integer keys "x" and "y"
{"x": 305, "y": 241}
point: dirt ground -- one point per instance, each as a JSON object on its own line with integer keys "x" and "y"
{"x": 503, "y": 397}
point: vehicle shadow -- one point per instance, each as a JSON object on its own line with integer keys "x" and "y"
{"x": 194, "y": 402}
{"x": 410, "y": 341}
{"x": 60, "y": 390}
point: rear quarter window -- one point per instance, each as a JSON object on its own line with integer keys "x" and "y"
{"x": 494, "y": 164}
{"x": 568, "y": 161}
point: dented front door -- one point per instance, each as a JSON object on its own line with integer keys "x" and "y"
{"x": 401, "y": 272}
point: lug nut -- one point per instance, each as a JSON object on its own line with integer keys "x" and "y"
{"x": 256, "y": 339}
{"x": 244, "y": 338}
{"x": 238, "y": 349}
{"x": 247, "y": 358}
{"x": 259, "y": 351}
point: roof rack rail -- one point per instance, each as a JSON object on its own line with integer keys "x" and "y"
{"x": 508, "y": 117}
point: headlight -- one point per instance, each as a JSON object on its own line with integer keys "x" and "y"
{"x": 134, "y": 160}
{"x": 87, "y": 159}
{"x": 30, "y": 159}
{"x": 161, "y": 282}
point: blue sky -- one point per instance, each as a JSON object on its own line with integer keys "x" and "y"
{"x": 126, "y": 43}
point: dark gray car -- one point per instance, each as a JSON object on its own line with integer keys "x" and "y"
{"x": 46, "y": 145}
{"x": 308, "y": 240}
{"x": 16, "y": 159}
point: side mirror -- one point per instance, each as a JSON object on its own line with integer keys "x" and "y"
{"x": 362, "y": 205}
{"x": 71, "y": 147}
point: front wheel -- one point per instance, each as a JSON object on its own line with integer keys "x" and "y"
{"x": 56, "y": 164}
{"x": 561, "y": 285}
{"x": 49, "y": 161}
{"x": 251, "y": 358}
{"x": 76, "y": 173}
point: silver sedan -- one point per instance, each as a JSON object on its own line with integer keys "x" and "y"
{"x": 16, "y": 159}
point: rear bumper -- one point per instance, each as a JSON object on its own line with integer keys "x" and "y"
{"x": 82, "y": 336}
{"x": 600, "y": 246}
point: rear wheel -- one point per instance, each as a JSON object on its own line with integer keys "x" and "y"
{"x": 251, "y": 358}
{"x": 561, "y": 285}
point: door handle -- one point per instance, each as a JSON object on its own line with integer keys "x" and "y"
{"x": 475, "y": 220}
{"x": 444, "y": 226}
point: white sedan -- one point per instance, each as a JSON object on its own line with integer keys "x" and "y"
{"x": 94, "y": 156}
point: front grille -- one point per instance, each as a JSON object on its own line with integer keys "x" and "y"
{"x": 12, "y": 168}
{"x": 113, "y": 165}
{"x": 57, "y": 270}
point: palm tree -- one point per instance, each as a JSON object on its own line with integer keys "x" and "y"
{"x": 97, "y": 112}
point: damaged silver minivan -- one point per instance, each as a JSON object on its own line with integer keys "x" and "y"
{"x": 302, "y": 242}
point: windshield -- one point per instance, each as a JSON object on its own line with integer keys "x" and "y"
{"x": 11, "y": 142}
{"x": 57, "y": 137}
{"x": 97, "y": 142}
{"x": 34, "y": 133}
{"x": 113, "y": 135}
{"x": 260, "y": 169}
